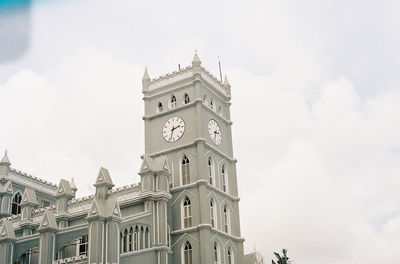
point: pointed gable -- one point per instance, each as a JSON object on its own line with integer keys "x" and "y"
{"x": 147, "y": 164}
{"x": 103, "y": 178}
{"x": 7, "y": 188}
{"x": 48, "y": 221}
{"x": 94, "y": 209}
{"x": 64, "y": 189}
{"x": 116, "y": 211}
{"x": 7, "y": 230}
{"x": 29, "y": 197}
{"x": 162, "y": 164}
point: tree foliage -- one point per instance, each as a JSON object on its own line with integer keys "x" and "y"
{"x": 284, "y": 259}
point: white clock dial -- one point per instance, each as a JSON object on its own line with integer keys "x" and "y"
{"x": 215, "y": 131}
{"x": 173, "y": 129}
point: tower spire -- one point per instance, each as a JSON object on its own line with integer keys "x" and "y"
{"x": 5, "y": 160}
{"x": 145, "y": 80}
{"x": 196, "y": 60}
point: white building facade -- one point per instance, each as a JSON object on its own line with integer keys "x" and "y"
{"x": 184, "y": 209}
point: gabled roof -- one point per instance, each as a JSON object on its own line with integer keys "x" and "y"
{"x": 6, "y": 188}
{"x": 105, "y": 208}
{"x": 155, "y": 164}
{"x": 7, "y": 230}
{"x": 104, "y": 178}
{"x": 48, "y": 221}
{"x": 64, "y": 188}
{"x": 29, "y": 197}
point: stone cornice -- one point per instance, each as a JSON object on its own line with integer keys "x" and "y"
{"x": 209, "y": 227}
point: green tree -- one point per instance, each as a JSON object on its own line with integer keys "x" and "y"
{"x": 281, "y": 259}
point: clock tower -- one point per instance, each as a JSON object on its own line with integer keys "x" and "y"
{"x": 187, "y": 120}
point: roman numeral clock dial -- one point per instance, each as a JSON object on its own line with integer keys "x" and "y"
{"x": 215, "y": 131}
{"x": 173, "y": 129}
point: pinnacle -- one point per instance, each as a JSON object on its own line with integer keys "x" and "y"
{"x": 146, "y": 76}
{"x": 5, "y": 160}
{"x": 73, "y": 186}
{"x": 226, "y": 82}
{"x": 196, "y": 60}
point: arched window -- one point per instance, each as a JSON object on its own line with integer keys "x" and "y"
{"x": 125, "y": 241}
{"x": 187, "y": 253}
{"x": 160, "y": 107}
{"x": 187, "y": 213}
{"x": 135, "y": 239}
{"x": 211, "y": 103}
{"x": 186, "y": 98}
{"x": 212, "y": 213}
{"x": 16, "y": 204}
{"x": 216, "y": 253}
{"x": 168, "y": 236}
{"x": 223, "y": 179}
{"x": 130, "y": 240}
{"x": 185, "y": 170}
{"x": 227, "y": 223}
{"x": 173, "y": 101}
{"x": 147, "y": 237}
{"x": 142, "y": 238}
{"x": 211, "y": 170}
{"x": 230, "y": 256}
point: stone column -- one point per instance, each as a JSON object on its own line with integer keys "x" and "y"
{"x": 47, "y": 239}
{"x": 7, "y": 242}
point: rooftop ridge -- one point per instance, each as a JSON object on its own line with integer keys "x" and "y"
{"x": 170, "y": 74}
{"x": 33, "y": 177}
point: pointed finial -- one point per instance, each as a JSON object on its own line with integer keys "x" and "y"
{"x": 146, "y": 75}
{"x": 73, "y": 186}
{"x": 226, "y": 82}
{"x": 145, "y": 80}
{"x": 5, "y": 160}
{"x": 196, "y": 60}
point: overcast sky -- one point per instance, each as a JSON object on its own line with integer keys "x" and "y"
{"x": 315, "y": 107}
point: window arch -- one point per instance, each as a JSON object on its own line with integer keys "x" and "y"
{"x": 227, "y": 220}
{"x": 212, "y": 103}
{"x": 142, "y": 238}
{"x": 216, "y": 253}
{"x": 187, "y": 213}
{"x": 224, "y": 178}
{"x": 185, "y": 169}
{"x": 213, "y": 213}
{"x": 16, "y": 204}
{"x": 173, "y": 101}
{"x": 125, "y": 241}
{"x": 130, "y": 240}
{"x": 211, "y": 171}
{"x": 136, "y": 239}
{"x": 187, "y": 253}
{"x": 147, "y": 237}
{"x": 230, "y": 256}
{"x": 160, "y": 107}
{"x": 186, "y": 98}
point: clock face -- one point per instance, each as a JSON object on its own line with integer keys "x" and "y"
{"x": 215, "y": 131}
{"x": 173, "y": 129}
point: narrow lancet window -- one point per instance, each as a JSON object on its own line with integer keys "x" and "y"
{"x": 186, "y": 98}
{"x": 173, "y": 101}
{"x": 187, "y": 253}
{"x": 185, "y": 170}
{"x": 187, "y": 213}
{"x": 16, "y": 204}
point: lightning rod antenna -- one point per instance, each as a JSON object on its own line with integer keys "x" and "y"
{"x": 220, "y": 71}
